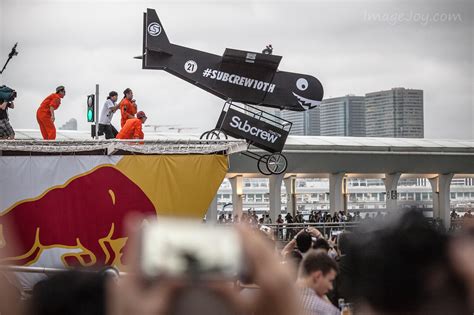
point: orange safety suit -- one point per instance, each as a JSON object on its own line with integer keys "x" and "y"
{"x": 131, "y": 130}
{"x": 43, "y": 116}
{"x": 127, "y": 107}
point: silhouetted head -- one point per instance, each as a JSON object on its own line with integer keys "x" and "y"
{"x": 61, "y": 91}
{"x": 303, "y": 242}
{"x": 128, "y": 94}
{"x": 403, "y": 267}
{"x": 142, "y": 116}
{"x": 322, "y": 244}
{"x": 112, "y": 96}
{"x": 71, "y": 292}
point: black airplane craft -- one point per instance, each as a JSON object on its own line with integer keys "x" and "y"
{"x": 241, "y": 76}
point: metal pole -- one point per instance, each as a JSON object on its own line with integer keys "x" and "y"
{"x": 10, "y": 56}
{"x": 46, "y": 270}
{"x": 96, "y": 111}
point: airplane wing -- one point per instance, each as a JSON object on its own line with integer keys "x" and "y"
{"x": 250, "y": 73}
{"x": 257, "y": 60}
{"x": 243, "y": 76}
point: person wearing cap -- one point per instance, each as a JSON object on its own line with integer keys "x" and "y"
{"x": 45, "y": 113}
{"x": 133, "y": 127}
{"x": 128, "y": 107}
{"x": 6, "y": 102}
{"x": 108, "y": 111}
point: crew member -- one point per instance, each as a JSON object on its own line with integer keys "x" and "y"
{"x": 133, "y": 127}
{"x": 108, "y": 111}
{"x": 6, "y": 130}
{"x": 45, "y": 113}
{"x": 128, "y": 107}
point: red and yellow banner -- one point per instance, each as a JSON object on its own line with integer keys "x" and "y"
{"x": 70, "y": 210}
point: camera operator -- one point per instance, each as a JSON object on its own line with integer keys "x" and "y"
{"x": 6, "y": 130}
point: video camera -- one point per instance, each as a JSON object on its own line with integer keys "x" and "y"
{"x": 7, "y": 94}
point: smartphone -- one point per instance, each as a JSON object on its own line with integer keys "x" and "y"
{"x": 179, "y": 248}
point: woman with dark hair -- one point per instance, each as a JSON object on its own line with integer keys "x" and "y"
{"x": 108, "y": 111}
{"x": 128, "y": 107}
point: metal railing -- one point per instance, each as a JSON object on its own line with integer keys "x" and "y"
{"x": 49, "y": 270}
{"x": 286, "y": 231}
{"x": 162, "y": 146}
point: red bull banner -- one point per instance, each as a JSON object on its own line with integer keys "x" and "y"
{"x": 60, "y": 211}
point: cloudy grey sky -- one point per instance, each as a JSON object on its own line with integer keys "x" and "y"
{"x": 353, "y": 47}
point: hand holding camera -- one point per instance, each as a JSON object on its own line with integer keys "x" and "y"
{"x": 198, "y": 278}
{"x": 314, "y": 232}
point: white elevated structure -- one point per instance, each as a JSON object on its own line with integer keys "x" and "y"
{"x": 336, "y": 158}
{"x": 76, "y": 141}
{"x": 120, "y": 146}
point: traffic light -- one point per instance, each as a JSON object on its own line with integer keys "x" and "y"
{"x": 91, "y": 108}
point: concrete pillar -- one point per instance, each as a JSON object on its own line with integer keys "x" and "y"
{"x": 290, "y": 186}
{"x": 435, "y": 195}
{"x": 336, "y": 192}
{"x": 211, "y": 216}
{"x": 275, "y": 182}
{"x": 441, "y": 187}
{"x": 391, "y": 197}
{"x": 237, "y": 191}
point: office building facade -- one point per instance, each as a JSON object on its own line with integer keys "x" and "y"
{"x": 305, "y": 123}
{"x": 343, "y": 116}
{"x": 396, "y": 113}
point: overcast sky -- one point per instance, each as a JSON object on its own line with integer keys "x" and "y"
{"x": 352, "y": 47}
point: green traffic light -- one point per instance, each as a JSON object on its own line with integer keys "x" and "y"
{"x": 90, "y": 115}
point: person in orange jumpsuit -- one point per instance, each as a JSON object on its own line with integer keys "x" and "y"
{"x": 45, "y": 113}
{"x": 128, "y": 107}
{"x": 133, "y": 127}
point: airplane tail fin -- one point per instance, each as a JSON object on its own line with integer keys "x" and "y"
{"x": 154, "y": 34}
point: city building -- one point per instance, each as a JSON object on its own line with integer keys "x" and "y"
{"x": 314, "y": 122}
{"x": 395, "y": 113}
{"x": 299, "y": 120}
{"x": 343, "y": 116}
{"x": 306, "y": 123}
{"x": 71, "y": 124}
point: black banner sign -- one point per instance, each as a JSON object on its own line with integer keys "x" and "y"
{"x": 260, "y": 133}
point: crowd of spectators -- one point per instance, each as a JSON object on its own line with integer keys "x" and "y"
{"x": 456, "y": 216}
{"x": 251, "y": 217}
{"x": 397, "y": 266}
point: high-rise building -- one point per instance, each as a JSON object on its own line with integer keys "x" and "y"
{"x": 71, "y": 124}
{"x": 343, "y": 116}
{"x": 314, "y": 121}
{"x": 396, "y": 113}
{"x": 299, "y": 120}
{"x": 304, "y": 123}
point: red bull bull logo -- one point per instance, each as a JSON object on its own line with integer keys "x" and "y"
{"x": 88, "y": 213}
